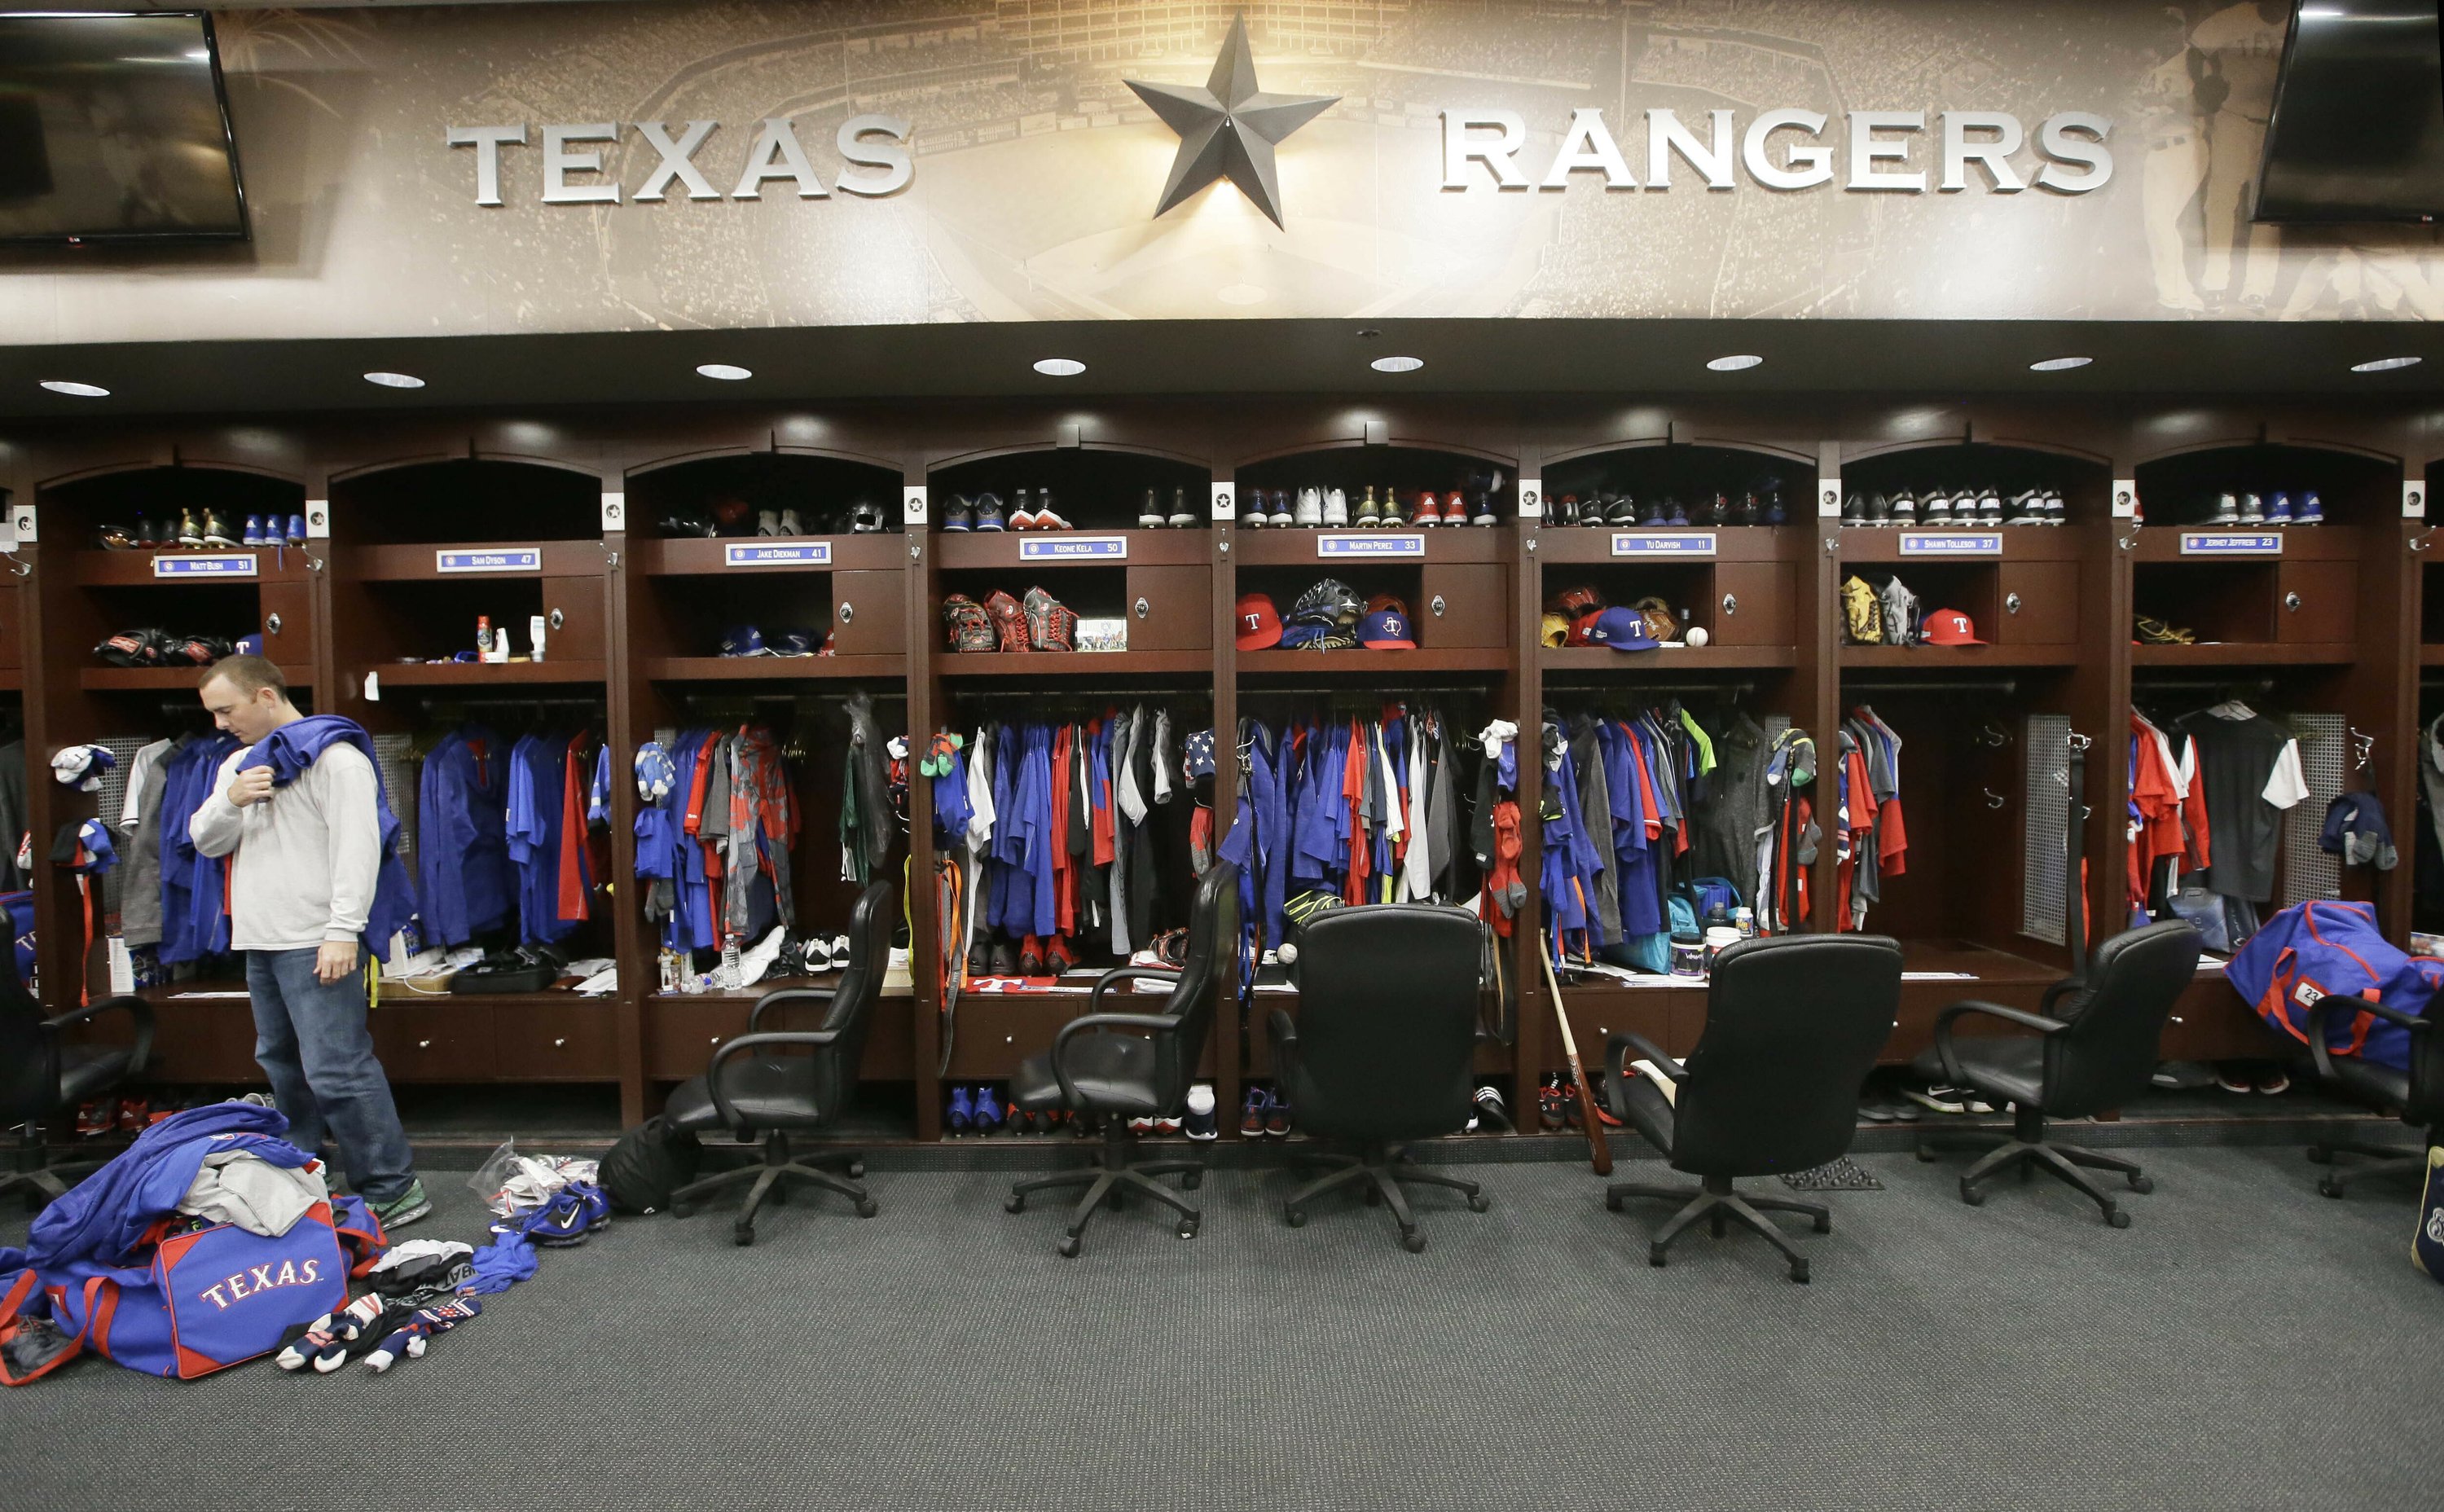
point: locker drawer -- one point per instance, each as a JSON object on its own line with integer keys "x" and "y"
{"x": 292, "y": 605}
{"x": 580, "y": 637}
{"x": 1752, "y": 606}
{"x": 1475, "y": 600}
{"x": 439, "y": 1041}
{"x": 1178, "y": 613}
{"x": 869, "y": 611}
{"x": 2314, "y": 603}
{"x": 682, "y": 1033}
{"x": 578, "y": 1041}
{"x": 2048, "y": 604}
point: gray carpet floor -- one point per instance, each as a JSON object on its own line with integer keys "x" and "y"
{"x": 2246, "y": 1344}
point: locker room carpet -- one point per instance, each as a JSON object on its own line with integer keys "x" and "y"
{"x": 2247, "y": 1343}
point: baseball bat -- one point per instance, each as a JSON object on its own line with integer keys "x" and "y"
{"x": 1598, "y": 1153}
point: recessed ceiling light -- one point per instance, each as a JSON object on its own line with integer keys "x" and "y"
{"x": 1059, "y": 366}
{"x": 724, "y": 371}
{"x": 396, "y": 380}
{"x": 82, "y": 391}
{"x": 1734, "y": 365}
{"x": 2382, "y": 365}
{"x": 2060, "y": 365}
{"x": 1397, "y": 364}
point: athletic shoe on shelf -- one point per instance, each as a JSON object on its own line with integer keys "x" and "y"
{"x": 1004, "y": 958}
{"x": 2270, "y": 1082}
{"x": 1989, "y": 508}
{"x": 1654, "y": 512}
{"x": 1310, "y": 510}
{"x": 1150, "y": 515}
{"x": 959, "y": 514}
{"x": 985, "y": 1111}
{"x": 1059, "y": 955}
{"x": 2252, "y": 509}
{"x": 1282, "y": 516}
{"x": 1336, "y": 510}
{"x": 1878, "y": 512}
{"x": 2310, "y": 509}
{"x": 1570, "y": 1110}
{"x": 1277, "y": 1115}
{"x": 1454, "y": 508}
{"x": 2227, "y": 510}
{"x": 961, "y": 1114}
{"x": 96, "y": 1119}
{"x": 1251, "y": 510}
{"x": 1903, "y": 510}
{"x": 2233, "y": 1078}
{"x": 2027, "y": 508}
{"x": 1490, "y": 1109}
{"x": 118, "y": 538}
{"x": 1022, "y": 514}
{"x": 252, "y": 534}
{"x": 296, "y": 530}
{"x": 1181, "y": 517}
{"x": 1251, "y": 1112}
{"x": 1549, "y": 1102}
{"x": 1675, "y": 512}
{"x": 1046, "y": 518}
{"x": 988, "y": 514}
{"x": 1853, "y": 510}
{"x": 1939, "y": 1097}
{"x": 789, "y": 523}
{"x": 1619, "y": 510}
{"x": 767, "y": 522}
{"x": 2278, "y": 508}
{"x": 405, "y": 1208}
{"x": 1484, "y": 514}
{"x": 1370, "y": 514}
{"x": 1935, "y": 510}
{"x": 1773, "y": 512}
{"x": 190, "y": 533}
{"x": 1428, "y": 514}
{"x": 217, "y": 530}
{"x": 1200, "y": 1123}
{"x": 1140, "y": 1125}
{"x": 1168, "y": 1125}
{"x": 2055, "y": 512}
{"x": 1388, "y": 512}
{"x": 1030, "y": 957}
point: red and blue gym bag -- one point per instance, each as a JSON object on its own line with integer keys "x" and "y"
{"x": 2311, "y": 951}
{"x": 114, "y": 1268}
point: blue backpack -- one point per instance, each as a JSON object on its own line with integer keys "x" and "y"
{"x": 2311, "y": 951}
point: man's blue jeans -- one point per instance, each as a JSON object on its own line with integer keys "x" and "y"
{"x": 311, "y": 1038}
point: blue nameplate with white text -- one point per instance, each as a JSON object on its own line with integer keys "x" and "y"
{"x": 502, "y": 559}
{"x": 1677, "y": 544}
{"x": 2231, "y": 544}
{"x": 1073, "y": 548}
{"x": 1373, "y": 543}
{"x": 1952, "y": 544}
{"x": 777, "y": 554}
{"x": 236, "y": 566}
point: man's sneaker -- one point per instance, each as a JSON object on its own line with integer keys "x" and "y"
{"x": 789, "y": 523}
{"x": 1181, "y": 517}
{"x": 1046, "y": 517}
{"x": 1251, "y": 510}
{"x": 1277, "y": 1115}
{"x": 988, "y": 514}
{"x": 1336, "y": 510}
{"x": 1853, "y": 510}
{"x": 1200, "y": 1123}
{"x": 1149, "y": 513}
{"x": 1390, "y": 517}
{"x": 190, "y": 533}
{"x": 984, "y": 1110}
{"x": 1310, "y": 509}
{"x": 1281, "y": 517}
{"x": 1491, "y": 1110}
{"x": 1549, "y": 1102}
{"x": 1483, "y": 514}
{"x": 252, "y": 535}
{"x": 1773, "y": 512}
{"x": 2055, "y": 513}
{"x": 2252, "y": 509}
{"x": 961, "y": 1114}
{"x": 1454, "y": 508}
{"x": 2310, "y": 509}
{"x": 405, "y": 1208}
{"x": 1370, "y": 514}
{"x": 2278, "y": 509}
{"x": 1022, "y": 514}
{"x": 959, "y": 514}
{"x": 1939, "y": 1097}
{"x": 1251, "y": 1112}
{"x": 1619, "y": 510}
{"x": 2227, "y": 510}
{"x": 1903, "y": 510}
{"x": 1427, "y": 513}
{"x": 1989, "y": 508}
{"x": 2027, "y": 508}
{"x": 217, "y": 530}
{"x": 768, "y": 523}
{"x": 1879, "y": 511}
{"x": 1934, "y": 510}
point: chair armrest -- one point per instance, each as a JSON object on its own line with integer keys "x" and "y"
{"x": 2317, "y": 1031}
{"x": 1283, "y": 1030}
{"x": 137, "y": 1009}
{"x": 1129, "y": 973}
{"x": 786, "y": 995}
{"x": 1943, "y": 1029}
{"x": 813, "y": 1040}
{"x": 1148, "y": 1022}
{"x": 1618, "y": 1053}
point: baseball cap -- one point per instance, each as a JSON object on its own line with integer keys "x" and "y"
{"x": 1555, "y": 630}
{"x": 1386, "y": 630}
{"x": 1622, "y": 630}
{"x": 1949, "y": 627}
{"x": 743, "y": 640}
{"x": 250, "y": 645}
{"x": 791, "y": 642}
{"x": 1259, "y": 623}
{"x": 1582, "y": 629}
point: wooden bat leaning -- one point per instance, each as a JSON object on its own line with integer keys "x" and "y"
{"x": 1598, "y": 1153}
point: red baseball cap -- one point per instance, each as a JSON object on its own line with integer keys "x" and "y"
{"x": 1259, "y": 623}
{"x": 1949, "y": 627}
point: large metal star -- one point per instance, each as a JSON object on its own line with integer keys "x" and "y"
{"x": 1228, "y": 128}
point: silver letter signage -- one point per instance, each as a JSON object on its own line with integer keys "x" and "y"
{"x": 674, "y": 163}
{"x": 777, "y": 155}
{"x": 487, "y": 141}
{"x": 559, "y": 162}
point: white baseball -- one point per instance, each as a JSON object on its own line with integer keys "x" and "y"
{"x": 1698, "y": 635}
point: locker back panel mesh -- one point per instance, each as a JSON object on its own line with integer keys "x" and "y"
{"x": 2046, "y": 808}
{"x": 106, "y": 806}
{"x": 402, "y": 775}
{"x": 2324, "y": 756}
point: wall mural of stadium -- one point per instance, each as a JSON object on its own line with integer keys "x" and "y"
{"x": 1036, "y": 169}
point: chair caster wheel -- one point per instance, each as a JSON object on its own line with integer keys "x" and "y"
{"x": 857, "y": 1170}
{"x": 2321, "y": 1155}
{"x": 1799, "y": 1271}
{"x": 1925, "y": 1156}
{"x": 1613, "y": 1201}
{"x": 743, "y": 1235}
{"x": 1413, "y": 1241}
{"x": 1069, "y": 1248}
{"x": 1972, "y": 1195}
{"x": 2141, "y": 1184}
{"x": 1188, "y": 1228}
{"x": 1014, "y": 1204}
{"x": 1295, "y": 1217}
{"x": 1823, "y": 1226}
{"x": 1654, "y": 1255}
{"x": 682, "y": 1209}
{"x": 1478, "y": 1202}
{"x": 2116, "y": 1218}
{"x": 865, "y": 1208}
{"x": 2330, "y": 1186}
{"x": 1191, "y": 1180}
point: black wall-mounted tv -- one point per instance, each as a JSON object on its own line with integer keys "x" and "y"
{"x": 115, "y": 126}
{"x": 2358, "y": 127}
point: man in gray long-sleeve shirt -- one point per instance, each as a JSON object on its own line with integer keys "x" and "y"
{"x": 303, "y": 864}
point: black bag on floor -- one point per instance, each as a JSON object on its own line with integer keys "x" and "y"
{"x": 649, "y": 1163}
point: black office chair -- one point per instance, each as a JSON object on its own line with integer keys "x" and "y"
{"x": 2095, "y": 1049}
{"x": 2416, "y": 1093}
{"x": 42, "y": 1075}
{"x": 1144, "y": 1073}
{"x": 747, "y": 1088}
{"x": 1383, "y": 1047}
{"x": 1792, "y": 1027}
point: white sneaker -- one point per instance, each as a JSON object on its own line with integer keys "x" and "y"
{"x": 1310, "y": 509}
{"x": 1336, "y": 510}
{"x": 767, "y": 522}
{"x": 789, "y": 526}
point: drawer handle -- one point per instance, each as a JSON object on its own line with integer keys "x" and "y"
{"x": 424, "y": 1044}
{"x": 1435, "y": 606}
{"x": 1143, "y": 608}
{"x": 2291, "y": 602}
{"x": 716, "y": 1040}
{"x": 2010, "y": 604}
{"x": 557, "y": 1044}
{"x": 1731, "y": 603}
{"x": 847, "y": 612}
{"x": 271, "y": 622}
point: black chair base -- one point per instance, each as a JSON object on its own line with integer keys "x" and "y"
{"x": 2026, "y": 1149}
{"x": 2390, "y": 1160}
{"x": 48, "y": 1184}
{"x": 1115, "y": 1172}
{"x": 770, "y": 1182}
{"x": 1384, "y": 1168}
{"x": 1717, "y": 1200}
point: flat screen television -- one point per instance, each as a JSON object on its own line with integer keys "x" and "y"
{"x": 115, "y": 126}
{"x": 2358, "y": 127}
